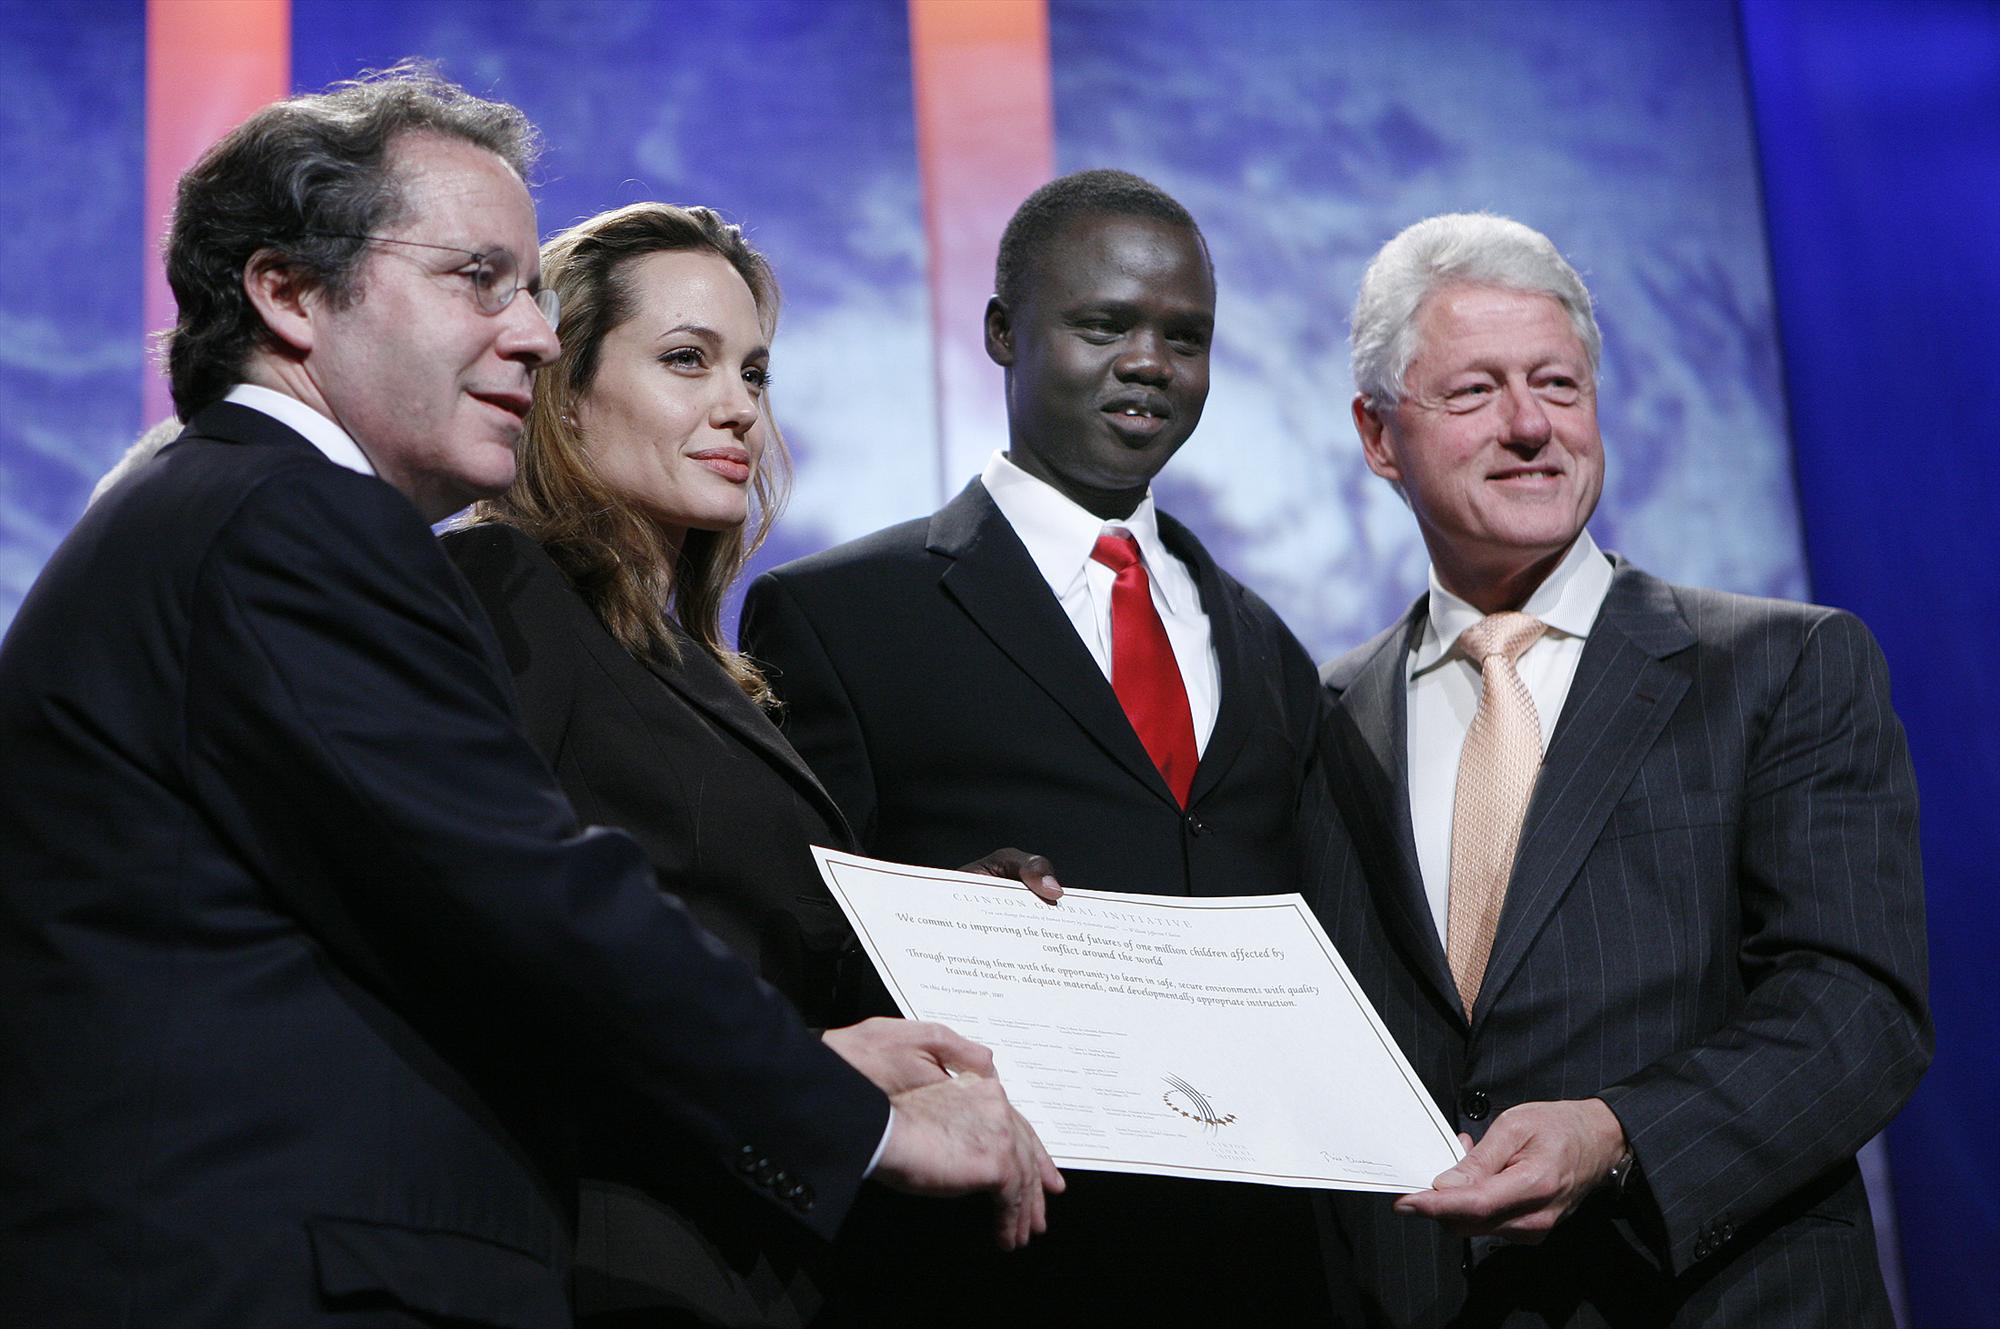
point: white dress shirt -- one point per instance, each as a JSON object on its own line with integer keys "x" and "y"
{"x": 1444, "y": 689}
{"x": 1060, "y": 535}
{"x": 319, "y": 431}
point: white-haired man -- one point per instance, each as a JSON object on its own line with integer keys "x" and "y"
{"x": 1646, "y": 903}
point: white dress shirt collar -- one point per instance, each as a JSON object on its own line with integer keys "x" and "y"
{"x": 1444, "y": 689}
{"x": 317, "y": 430}
{"x": 1567, "y": 600}
{"x": 1060, "y": 534}
{"x": 1059, "y": 537}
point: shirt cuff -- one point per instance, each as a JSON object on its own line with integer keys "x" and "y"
{"x": 880, "y": 1145}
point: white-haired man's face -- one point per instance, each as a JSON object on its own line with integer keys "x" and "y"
{"x": 1495, "y": 441}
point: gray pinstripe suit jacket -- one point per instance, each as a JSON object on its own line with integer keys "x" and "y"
{"x": 1715, "y": 924}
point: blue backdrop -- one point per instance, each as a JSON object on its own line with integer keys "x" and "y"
{"x": 1879, "y": 124}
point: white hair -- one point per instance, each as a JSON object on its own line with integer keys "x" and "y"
{"x": 1457, "y": 248}
{"x": 156, "y": 437}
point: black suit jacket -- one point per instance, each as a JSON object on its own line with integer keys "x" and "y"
{"x": 677, "y": 756}
{"x": 300, "y": 944}
{"x": 941, "y": 694}
{"x": 937, "y": 688}
{"x": 1715, "y": 924}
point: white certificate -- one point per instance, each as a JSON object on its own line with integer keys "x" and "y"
{"x": 1220, "y": 1038}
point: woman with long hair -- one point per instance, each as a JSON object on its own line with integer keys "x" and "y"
{"x": 649, "y": 471}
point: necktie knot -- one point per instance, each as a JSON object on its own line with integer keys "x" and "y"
{"x": 1506, "y": 634}
{"x": 1116, "y": 550}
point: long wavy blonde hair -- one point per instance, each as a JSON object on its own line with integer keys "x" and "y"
{"x": 620, "y": 561}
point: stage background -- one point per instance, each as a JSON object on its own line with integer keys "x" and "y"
{"x": 1787, "y": 213}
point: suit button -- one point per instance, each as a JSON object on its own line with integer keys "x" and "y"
{"x": 765, "y": 1170}
{"x": 746, "y": 1159}
{"x": 1474, "y": 1105}
{"x": 801, "y": 1197}
{"x": 1195, "y": 825}
{"x": 781, "y": 1182}
{"x": 1701, "y": 1249}
{"x": 1727, "y": 1230}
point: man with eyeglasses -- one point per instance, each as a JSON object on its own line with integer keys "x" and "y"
{"x": 306, "y": 969}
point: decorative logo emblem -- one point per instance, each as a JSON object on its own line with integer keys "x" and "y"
{"x": 1188, "y": 1101}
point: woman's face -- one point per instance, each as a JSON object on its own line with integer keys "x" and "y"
{"x": 671, "y": 420}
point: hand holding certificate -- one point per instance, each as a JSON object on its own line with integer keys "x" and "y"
{"x": 1220, "y": 1038}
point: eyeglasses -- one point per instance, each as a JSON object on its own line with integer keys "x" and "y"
{"x": 495, "y": 276}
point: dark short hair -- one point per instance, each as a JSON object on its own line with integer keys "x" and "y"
{"x": 1048, "y": 209}
{"x": 301, "y": 178}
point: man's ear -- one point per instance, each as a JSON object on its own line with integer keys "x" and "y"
{"x": 285, "y": 303}
{"x": 1374, "y": 431}
{"x": 999, "y": 333}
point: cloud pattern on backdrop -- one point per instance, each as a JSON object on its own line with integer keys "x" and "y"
{"x": 1301, "y": 136}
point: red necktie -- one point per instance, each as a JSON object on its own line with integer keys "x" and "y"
{"x": 1144, "y": 673}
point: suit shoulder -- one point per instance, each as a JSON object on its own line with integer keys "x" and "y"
{"x": 1271, "y": 630}
{"x": 1745, "y": 637}
{"x": 1341, "y": 670}
{"x": 536, "y": 612}
{"x": 1252, "y": 601}
{"x": 1729, "y": 617}
{"x": 1185, "y": 545}
{"x": 901, "y": 545}
{"x": 204, "y": 491}
{"x": 495, "y": 554}
{"x": 328, "y": 506}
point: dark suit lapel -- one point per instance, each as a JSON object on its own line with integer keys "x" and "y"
{"x": 701, "y": 683}
{"x": 991, "y": 577}
{"x": 1371, "y": 737}
{"x": 1241, "y": 675}
{"x": 1627, "y": 685}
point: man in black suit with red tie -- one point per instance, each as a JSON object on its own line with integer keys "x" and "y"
{"x": 303, "y": 956}
{"x": 1048, "y": 660}
{"x": 1647, "y": 907}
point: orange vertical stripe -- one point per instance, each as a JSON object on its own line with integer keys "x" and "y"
{"x": 209, "y": 64}
{"x": 985, "y": 140}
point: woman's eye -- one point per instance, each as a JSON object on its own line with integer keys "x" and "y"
{"x": 757, "y": 377}
{"x": 683, "y": 357}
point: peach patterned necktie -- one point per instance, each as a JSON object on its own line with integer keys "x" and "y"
{"x": 1496, "y": 776}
